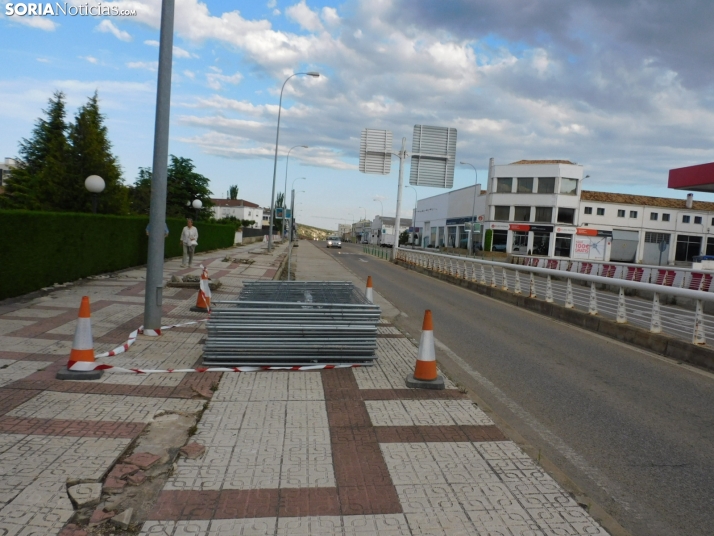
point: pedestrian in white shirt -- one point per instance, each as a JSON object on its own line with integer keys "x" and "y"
{"x": 189, "y": 240}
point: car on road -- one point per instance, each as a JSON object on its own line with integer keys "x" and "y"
{"x": 334, "y": 242}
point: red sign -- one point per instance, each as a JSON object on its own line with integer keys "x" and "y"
{"x": 587, "y": 232}
{"x": 519, "y": 227}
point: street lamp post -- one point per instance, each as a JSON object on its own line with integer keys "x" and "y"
{"x": 382, "y": 204}
{"x": 473, "y": 208}
{"x": 275, "y": 160}
{"x": 95, "y": 185}
{"x": 416, "y": 201}
{"x": 290, "y": 234}
{"x": 197, "y": 204}
{"x": 365, "y": 212}
{"x": 285, "y": 188}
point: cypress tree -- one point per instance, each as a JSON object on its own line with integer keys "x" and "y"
{"x": 42, "y": 170}
{"x": 91, "y": 154}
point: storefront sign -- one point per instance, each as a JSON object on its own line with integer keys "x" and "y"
{"x": 459, "y": 221}
{"x": 592, "y": 248}
{"x": 565, "y": 230}
{"x": 519, "y": 227}
{"x": 604, "y": 233}
{"x": 586, "y": 231}
{"x": 542, "y": 228}
{"x": 498, "y": 226}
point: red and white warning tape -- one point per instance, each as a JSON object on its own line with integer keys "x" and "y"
{"x": 141, "y": 331}
{"x": 86, "y": 367}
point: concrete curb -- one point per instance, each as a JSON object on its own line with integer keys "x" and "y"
{"x": 658, "y": 343}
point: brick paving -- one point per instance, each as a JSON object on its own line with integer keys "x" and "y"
{"x": 343, "y": 452}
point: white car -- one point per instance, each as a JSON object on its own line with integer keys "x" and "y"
{"x": 334, "y": 242}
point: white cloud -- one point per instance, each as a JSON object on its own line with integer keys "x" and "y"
{"x": 41, "y": 23}
{"x": 43, "y": 60}
{"x": 304, "y": 16}
{"x": 178, "y": 51}
{"x": 189, "y": 74}
{"x": 216, "y": 79}
{"x": 147, "y": 65}
{"x": 90, "y": 59}
{"x": 107, "y": 26}
{"x": 276, "y": 12}
{"x": 272, "y": 3}
{"x": 330, "y": 16}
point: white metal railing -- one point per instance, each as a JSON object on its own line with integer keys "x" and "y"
{"x": 669, "y": 276}
{"x": 494, "y": 274}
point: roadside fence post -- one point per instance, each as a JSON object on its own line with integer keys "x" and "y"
{"x": 548, "y": 290}
{"x": 569, "y": 295}
{"x": 656, "y": 322}
{"x": 699, "y": 337}
{"x": 621, "y": 310}
{"x": 592, "y": 306}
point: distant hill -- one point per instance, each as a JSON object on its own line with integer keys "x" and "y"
{"x": 313, "y": 233}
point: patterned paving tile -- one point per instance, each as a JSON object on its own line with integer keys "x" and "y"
{"x": 425, "y": 413}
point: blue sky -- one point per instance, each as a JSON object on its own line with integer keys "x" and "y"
{"x": 629, "y": 95}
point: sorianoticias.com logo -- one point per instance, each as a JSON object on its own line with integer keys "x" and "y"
{"x": 47, "y": 9}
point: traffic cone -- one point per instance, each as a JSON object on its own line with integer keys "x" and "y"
{"x": 81, "y": 359}
{"x": 425, "y": 375}
{"x": 368, "y": 292}
{"x": 203, "y": 300}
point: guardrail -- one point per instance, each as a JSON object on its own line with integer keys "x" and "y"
{"x": 377, "y": 251}
{"x": 485, "y": 273}
{"x": 668, "y": 276}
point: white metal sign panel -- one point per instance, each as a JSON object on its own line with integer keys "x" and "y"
{"x": 375, "y": 151}
{"x": 433, "y": 156}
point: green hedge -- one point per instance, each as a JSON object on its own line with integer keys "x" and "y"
{"x": 38, "y": 249}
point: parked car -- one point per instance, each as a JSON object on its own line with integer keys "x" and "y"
{"x": 334, "y": 242}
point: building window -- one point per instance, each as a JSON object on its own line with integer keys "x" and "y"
{"x": 588, "y": 210}
{"x": 562, "y": 245}
{"x": 653, "y": 216}
{"x": 544, "y": 214}
{"x": 620, "y": 213}
{"x": 525, "y": 185}
{"x": 504, "y": 186}
{"x": 566, "y": 215}
{"x": 656, "y": 238}
{"x": 698, "y": 219}
{"x": 501, "y": 213}
{"x": 522, "y": 213}
{"x": 665, "y": 217}
{"x": 601, "y": 212}
{"x": 685, "y": 219}
{"x": 499, "y": 240}
{"x": 687, "y": 247}
{"x": 710, "y": 246}
{"x": 546, "y": 185}
{"x": 568, "y": 186}
{"x": 541, "y": 243}
{"x": 633, "y": 214}
{"x": 520, "y": 242}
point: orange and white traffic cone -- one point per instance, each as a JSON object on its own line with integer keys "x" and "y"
{"x": 203, "y": 301}
{"x": 81, "y": 364}
{"x": 425, "y": 375}
{"x": 368, "y": 292}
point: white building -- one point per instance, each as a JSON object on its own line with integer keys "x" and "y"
{"x": 344, "y": 230}
{"x": 238, "y": 208}
{"x": 5, "y": 168}
{"x": 382, "y": 229}
{"x": 440, "y": 220}
{"x": 537, "y": 207}
{"x": 361, "y": 231}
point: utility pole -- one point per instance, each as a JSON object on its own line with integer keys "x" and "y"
{"x": 157, "y": 212}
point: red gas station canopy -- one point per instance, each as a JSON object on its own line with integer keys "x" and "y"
{"x": 693, "y": 178}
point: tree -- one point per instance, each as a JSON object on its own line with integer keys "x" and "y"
{"x": 183, "y": 185}
{"x": 42, "y": 169}
{"x": 233, "y": 192}
{"x": 403, "y": 237}
{"x": 90, "y": 154}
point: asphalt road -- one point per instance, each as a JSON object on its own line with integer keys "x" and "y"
{"x": 632, "y": 430}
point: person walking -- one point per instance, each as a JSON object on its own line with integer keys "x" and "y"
{"x": 189, "y": 240}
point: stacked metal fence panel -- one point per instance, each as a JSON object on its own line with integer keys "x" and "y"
{"x": 279, "y": 323}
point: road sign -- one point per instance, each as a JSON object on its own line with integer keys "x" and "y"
{"x": 433, "y": 156}
{"x": 279, "y": 212}
{"x": 375, "y": 151}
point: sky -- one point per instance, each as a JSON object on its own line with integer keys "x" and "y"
{"x": 623, "y": 87}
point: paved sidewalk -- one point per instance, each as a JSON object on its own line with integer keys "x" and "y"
{"x": 344, "y": 452}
